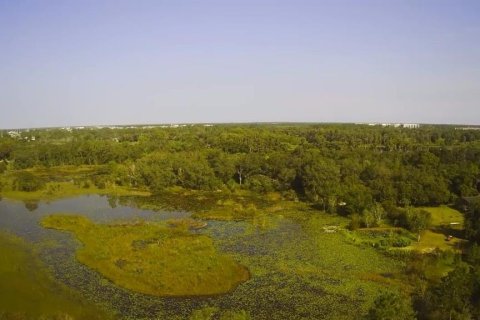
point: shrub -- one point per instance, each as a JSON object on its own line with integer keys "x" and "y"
{"x": 100, "y": 181}
{"x": 3, "y": 166}
{"x": 355, "y": 222}
{"x": 400, "y": 242}
{"x": 261, "y": 183}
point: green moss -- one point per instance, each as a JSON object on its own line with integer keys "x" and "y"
{"x": 27, "y": 290}
{"x": 152, "y": 258}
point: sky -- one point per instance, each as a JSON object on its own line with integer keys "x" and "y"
{"x": 82, "y": 62}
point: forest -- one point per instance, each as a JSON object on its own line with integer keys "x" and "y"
{"x": 409, "y": 194}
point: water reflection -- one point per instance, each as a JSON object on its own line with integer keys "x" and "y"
{"x": 112, "y": 201}
{"x": 31, "y": 205}
{"x": 23, "y": 218}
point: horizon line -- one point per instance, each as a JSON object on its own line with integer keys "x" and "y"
{"x": 170, "y": 124}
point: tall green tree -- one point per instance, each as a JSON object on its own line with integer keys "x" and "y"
{"x": 321, "y": 178}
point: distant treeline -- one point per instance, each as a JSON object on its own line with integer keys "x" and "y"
{"x": 339, "y": 167}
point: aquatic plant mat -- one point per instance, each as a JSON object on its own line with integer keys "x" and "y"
{"x": 298, "y": 270}
{"x": 152, "y": 257}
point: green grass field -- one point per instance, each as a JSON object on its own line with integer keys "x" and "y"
{"x": 444, "y": 215}
{"x": 441, "y": 228}
{"x": 430, "y": 240}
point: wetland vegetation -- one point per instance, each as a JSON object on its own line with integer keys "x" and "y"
{"x": 241, "y": 222}
{"x": 27, "y": 290}
{"x": 152, "y": 258}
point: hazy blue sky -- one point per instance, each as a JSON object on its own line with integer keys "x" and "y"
{"x": 118, "y": 62}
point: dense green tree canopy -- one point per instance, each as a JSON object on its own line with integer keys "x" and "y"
{"x": 329, "y": 164}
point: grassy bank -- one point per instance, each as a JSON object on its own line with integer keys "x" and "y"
{"x": 28, "y": 292}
